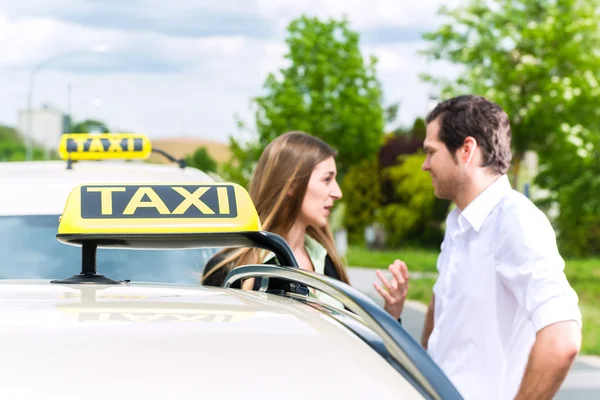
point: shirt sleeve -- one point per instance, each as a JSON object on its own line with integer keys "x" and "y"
{"x": 529, "y": 264}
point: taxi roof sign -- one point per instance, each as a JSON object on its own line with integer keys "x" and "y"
{"x": 161, "y": 216}
{"x": 157, "y": 209}
{"x": 94, "y": 146}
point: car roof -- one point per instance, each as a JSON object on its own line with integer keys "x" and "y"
{"x": 181, "y": 341}
{"x": 42, "y": 187}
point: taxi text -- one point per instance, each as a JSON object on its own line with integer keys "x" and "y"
{"x": 104, "y": 145}
{"x": 158, "y": 201}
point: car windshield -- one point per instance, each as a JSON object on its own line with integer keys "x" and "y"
{"x": 29, "y": 250}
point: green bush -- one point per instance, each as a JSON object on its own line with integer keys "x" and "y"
{"x": 240, "y": 167}
{"x": 13, "y": 151}
{"x": 362, "y": 198}
{"x": 571, "y": 174}
{"x": 202, "y": 160}
{"x": 578, "y": 223}
{"x": 416, "y": 217}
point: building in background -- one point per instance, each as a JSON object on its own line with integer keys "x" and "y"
{"x": 47, "y": 124}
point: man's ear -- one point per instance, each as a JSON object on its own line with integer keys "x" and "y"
{"x": 467, "y": 151}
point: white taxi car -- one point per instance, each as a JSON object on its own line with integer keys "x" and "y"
{"x": 81, "y": 327}
{"x": 34, "y": 196}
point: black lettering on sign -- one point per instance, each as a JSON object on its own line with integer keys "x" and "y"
{"x": 158, "y": 201}
{"x": 104, "y": 145}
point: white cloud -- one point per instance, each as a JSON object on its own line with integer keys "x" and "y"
{"x": 26, "y": 41}
{"x": 390, "y": 61}
{"x": 363, "y": 14}
{"x": 185, "y": 18}
{"x": 399, "y": 66}
{"x": 223, "y": 73}
{"x": 171, "y": 85}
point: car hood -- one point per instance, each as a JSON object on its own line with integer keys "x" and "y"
{"x": 154, "y": 341}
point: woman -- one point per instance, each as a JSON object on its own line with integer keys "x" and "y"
{"x": 293, "y": 189}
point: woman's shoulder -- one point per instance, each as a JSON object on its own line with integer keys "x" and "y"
{"x": 330, "y": 268}
{"x": 218, "y": 277}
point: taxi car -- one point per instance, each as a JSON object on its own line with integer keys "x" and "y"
{"x": 34, "y": 195}
{"x": 87, "y": 334}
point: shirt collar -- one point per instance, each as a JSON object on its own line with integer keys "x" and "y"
{"x": 316, "y": 252}
{"x": 479, "y": 209}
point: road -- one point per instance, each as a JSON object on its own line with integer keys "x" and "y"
{"x": 582, "y": 382}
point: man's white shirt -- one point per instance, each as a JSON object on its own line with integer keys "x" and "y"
{"x": 501, "y": 280}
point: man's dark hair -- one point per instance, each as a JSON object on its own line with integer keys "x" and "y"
{"x": 481, "y": 119}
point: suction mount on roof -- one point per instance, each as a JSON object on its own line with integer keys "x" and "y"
{"x": 88, "y": 269}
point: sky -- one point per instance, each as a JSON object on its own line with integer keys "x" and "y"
{"x": 186, "y": 68}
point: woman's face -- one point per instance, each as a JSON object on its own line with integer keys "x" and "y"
{"x": 321, "y": 192}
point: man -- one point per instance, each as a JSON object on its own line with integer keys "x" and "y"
{"x": 503, "y": 322}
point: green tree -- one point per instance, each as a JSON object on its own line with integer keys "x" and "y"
{"x": 416, "y": 216}
{"x": 202, "y": 160}
{"x": 16, "y": 151}
{"x": 573, "y": 177}
{"x": 538, "y": 60}
{"x": 10, "y": 134}
{"x": 328, "y": 89}
{"x": 419, "y": 129}
{"x": 88, "y": 126}
{"x": 12, "y": 146}
{"x": 362, "y": 198}
{"x": 244, "y": 155}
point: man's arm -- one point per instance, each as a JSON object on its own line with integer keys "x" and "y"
{"x": 551, "y": 357}
{"x": 530, "y": 266}
{"x": 428, "y": 326}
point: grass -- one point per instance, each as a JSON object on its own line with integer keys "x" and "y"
{"x": 416, "y": 259}
{"x": 583, "y": 275}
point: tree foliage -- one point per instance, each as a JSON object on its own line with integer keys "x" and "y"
{"x": 538, "y": 60}
{"x": 417, "y": 131}
{"x": 88, "y": 126}
{"x": 361, "y": 198}
{"x": 327, "y": 89}
{"x": 12, "y": 146}
{"x": 416, "y": 217}
{"x": 202, "y": 160}
{"x": 573, "y": 178}
{"x": 10, "y": 134}
{"x": 241, "y": 164}
{"x": 402, "y": 142}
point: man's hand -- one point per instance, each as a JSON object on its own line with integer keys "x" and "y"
{"x": 395, "y": 292}
{"x": 550, "y": 359}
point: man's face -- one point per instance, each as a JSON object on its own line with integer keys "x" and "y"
{"x": 446, "y": 173}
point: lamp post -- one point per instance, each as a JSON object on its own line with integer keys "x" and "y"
{"x": 100, "y": 49}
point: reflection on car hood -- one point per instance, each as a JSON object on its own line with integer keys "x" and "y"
{"x": 159, "y": 341}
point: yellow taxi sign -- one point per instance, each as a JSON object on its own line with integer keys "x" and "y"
{"x": 83, "y": 146}
{"x": 158, "y": 209}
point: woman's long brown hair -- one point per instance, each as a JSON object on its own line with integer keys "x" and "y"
{"x": 285, "y": 166}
